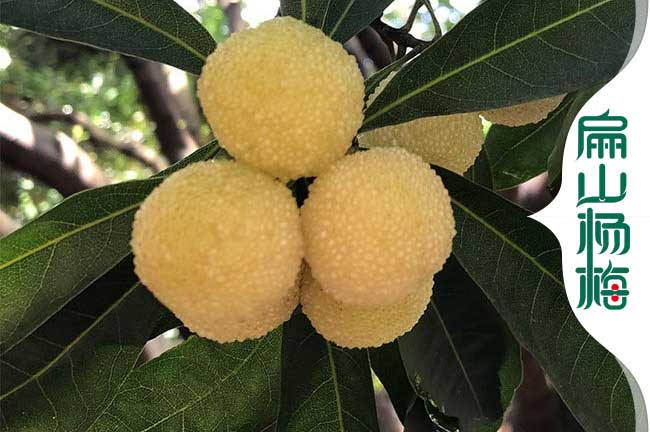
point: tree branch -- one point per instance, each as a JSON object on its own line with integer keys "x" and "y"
{"x": 366, "y": 65}
{"x": 375, "y": 47}
{"x": 232, "y": 11}
{"x": 179, "y": 84}
{"x": 536, "y": 407}
{"x": 51, "y": 156}
{"x": 176, "y": 141}
{"x": 102, "y": 139}
{"x": 400, "y": 36}
{"x": 7, "y": 224}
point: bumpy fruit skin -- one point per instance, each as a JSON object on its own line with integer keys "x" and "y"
{"x": 283, "y": 97}
{"x": 219, "y": 244}
{"x": 352, "y": 326}
{"x": 451, "y": 141}
{"x": 525, "y": 113}
{"x": 377, "y": 225}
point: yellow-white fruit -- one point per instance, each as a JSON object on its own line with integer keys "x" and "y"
{"x": 283, "y": 97}
{"x": 377, "y": 225}
{"x": 451, "y": 141}
{"x": 353, "y": 326}
{"x": 220, "y": 245}
{"x": 525, "y": 113}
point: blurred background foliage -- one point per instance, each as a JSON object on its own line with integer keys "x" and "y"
{"x": 40, "y": 77}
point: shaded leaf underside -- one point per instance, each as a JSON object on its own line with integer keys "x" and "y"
{"x": 460, "y": 355}
{"x": 76, "y": 388}
{"x": 324, "y": 387}
{"x": 517, "y": 263}
{"x": 158, "y": 30}
{"x": 339, "y": 19}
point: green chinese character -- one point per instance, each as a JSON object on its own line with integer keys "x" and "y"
{"x": 603, "y": 227}
{"x": 603, "y": 286}
{"x": 602, "y": 133}
{"x": 612, "y": 234}
{"x": 602, "y": 196}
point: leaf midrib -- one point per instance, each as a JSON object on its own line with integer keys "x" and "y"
{"x": 510, "y": 243}
{"x": 150, "y": 26}
{"x": 74, "y": 343}
{"x": 337, "y": 392}
{"x": 70, "y": 233}
{"x": 209, "y": 392}
{"x": 341, "y": 18}
{"x": 458, "y": 359}
{"x": 303, "y": 10}
{"x": 480, "y": 59}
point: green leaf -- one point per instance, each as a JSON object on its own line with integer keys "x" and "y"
{"x": 504, "y": 53}
{"x": 375, "y": 79}
{"x": 517, "y": 154}
{"x": 554, "y": 162}
{"x": 201, "y": 385}
{"x": 324, "y": 387}
{"x": 339, "y": 19}
{"x": 417, "y": 419}
{"x": 480, "y": 172}
{"x": 460, "y": 354}
{"x": 49, "y": 261}
{"x": 517, "y": 263}
{"x": 422, "y": 416}
{"x": 167, "y": 321}
{"x": 64, "y": 376}
{"x": 158, "y": 30}
{"x": 386, "y": 362}
{"x": 68, "y": 328}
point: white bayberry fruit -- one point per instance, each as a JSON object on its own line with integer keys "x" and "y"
{"x": 354, "y": 326}
{"x": 377, "y": 225}
{"x": 450, "y": 141}
{"x": 525, "y": 113}
{"x": 220, "y": 245}
{"x": 283, "y": 97}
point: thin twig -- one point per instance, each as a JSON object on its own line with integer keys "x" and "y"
{"x": 430, "y": 9}
{"x": 411, "y": 18}
{"x": 434, "y": 20}
{"x": 398, "y": 36}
